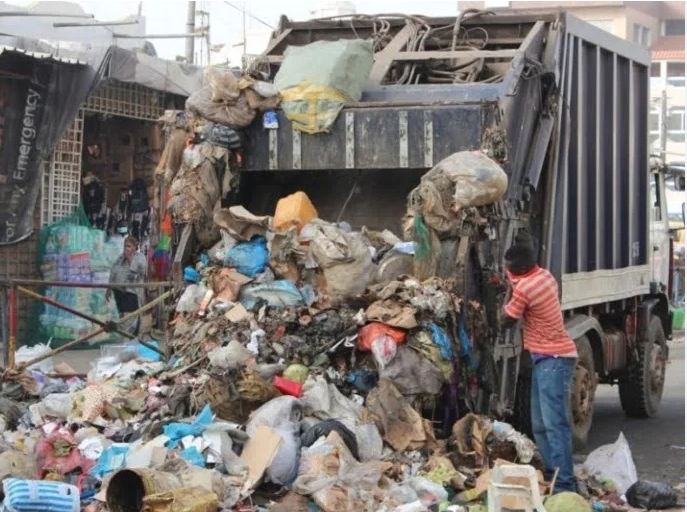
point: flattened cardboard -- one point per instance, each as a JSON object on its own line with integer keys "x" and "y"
{"x": 259, "y": 453}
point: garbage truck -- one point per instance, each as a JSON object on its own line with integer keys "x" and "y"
{"x": 563, "y": 107}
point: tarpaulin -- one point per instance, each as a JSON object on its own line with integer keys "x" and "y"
{"x": 42, "y": 86}
{"x": 39, "y": 96}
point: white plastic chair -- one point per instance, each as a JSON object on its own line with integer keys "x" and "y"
{"x": 498, "y": 488}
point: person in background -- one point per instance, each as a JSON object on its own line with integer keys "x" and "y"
{"x": 131, "y": 267}
{"x": 534, "y": 300}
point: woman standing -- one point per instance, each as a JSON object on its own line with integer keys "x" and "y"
{"x": 131, "y": 267}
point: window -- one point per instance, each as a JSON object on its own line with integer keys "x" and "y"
{"x": 606, "y": 25}
{"x": 676, "y": 74}
{"x": 676, "y": 120}
{"x": 641, "y": 35}
{"x": 655, "y": 69}
{"x": 674, "y": 27}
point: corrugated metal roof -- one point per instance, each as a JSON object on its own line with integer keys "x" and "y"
{"x": 42, "y": 56}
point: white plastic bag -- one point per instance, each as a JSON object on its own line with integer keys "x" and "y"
{"x": 191, "y": 298}
{"x": 613, "y": 462}
{"x": 476, "y": 178}
{"x": 282, "y": 414}
{"x": 384, "y": 350}
{"x": 370, "y": 443}
{"x": 25, "y": 354}
{"x": 56, "y": 405}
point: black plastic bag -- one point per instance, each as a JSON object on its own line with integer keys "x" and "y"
{"x": 651, "y": 495}
{"x": 323, "y": 429}
{"x": 219, "y": 135}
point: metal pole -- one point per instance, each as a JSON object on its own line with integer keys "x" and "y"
{"x": 74, "y": 312}
{"x": 663, "y": 137}
{"x": 12, "y": 321}
{"x": 190, "y": 28}
{"x": 98, "y": 331}
{"x": 66, "y": 284}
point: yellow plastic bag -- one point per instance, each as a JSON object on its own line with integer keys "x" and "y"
{"x": 312, "y": 108}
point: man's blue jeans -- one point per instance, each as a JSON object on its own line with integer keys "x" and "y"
{"x": 551, "y": 385}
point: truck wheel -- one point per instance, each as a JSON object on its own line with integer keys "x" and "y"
{"x": 642, "y": 389}
{"x": 582, "y": 393}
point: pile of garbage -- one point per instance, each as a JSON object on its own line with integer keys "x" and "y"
{"x": 297, "y": 376}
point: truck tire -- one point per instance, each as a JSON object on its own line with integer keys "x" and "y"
{"x": 641, "y": 389}
{"x": 582, "y": 393}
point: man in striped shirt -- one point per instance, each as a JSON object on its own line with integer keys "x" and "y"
{"x": 534, "y": 300}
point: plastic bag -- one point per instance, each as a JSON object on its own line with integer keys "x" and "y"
{"x": 177, "y": 431}
{"x": 523, "y": 445}
{"x": 248, "y": 258}
{"x": 344, "y": 258}
{"x": 442, "y": 340}
{"x": 237, "y": 115}
{"x": 369, "y": 333}
{"x": 384, "y": 350}
{"x": 370, "y": 442}
{"x": 111, "y": 460}
{"x": 25, "y": 354}
{"x": 191, "y": 298}
{"x": 223, "y": 136}
{"x": 427, "y": 490}
{"x": 613, "y": 462}
{"x": 38, "y": 496}
{"x": 265, "y": 89}
{"x": 473, "y": 177}
{"x": 58, "y": 454}
{"x": 283, "y": 415}
{"x": 314, "y": 95}
{"x": 224, "y": 85}
{"x": 651, "y": 495}
{"x": 279, "y": 294}
{"x": 192, "y": 158}
{"x": 323, "y": 428}
{"x": 57, "y": 405}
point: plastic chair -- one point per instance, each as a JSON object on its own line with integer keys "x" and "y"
{"x": 498, "y": 488}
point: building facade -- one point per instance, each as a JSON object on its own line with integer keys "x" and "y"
{"x": 660, "y": 26}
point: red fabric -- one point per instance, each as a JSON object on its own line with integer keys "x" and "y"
{"x": 535, "y": 301}
{"x": 370, "y": 332}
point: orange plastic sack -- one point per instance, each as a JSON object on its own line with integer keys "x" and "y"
{"x": 368, "y": 334}
{"x": 294, "y": 210}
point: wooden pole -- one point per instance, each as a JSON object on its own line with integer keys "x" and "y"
{"x": 12, "y": 321}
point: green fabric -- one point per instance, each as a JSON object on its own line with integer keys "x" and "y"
{"x": 343, "y": 65}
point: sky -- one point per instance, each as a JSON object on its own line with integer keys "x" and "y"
{"x": 226, "y": 22}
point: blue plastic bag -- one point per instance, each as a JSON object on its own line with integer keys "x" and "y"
{"x": 248, "y": 258}
{"x": 192, "y": 455}
{"x": 279, "y": 294}
{"x": 111, "y": 460}
{"x": 442, "y": 340}
{"x": 177, "y": 431}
